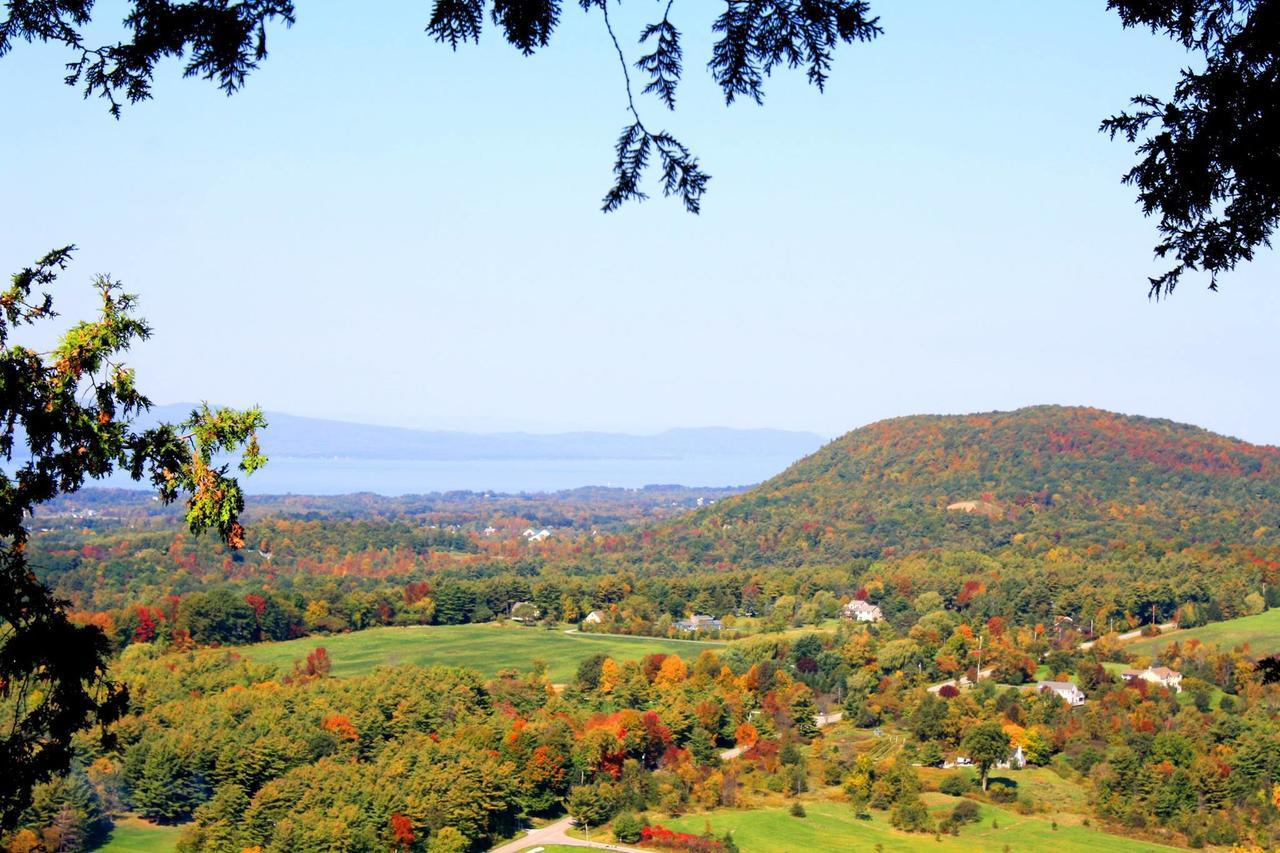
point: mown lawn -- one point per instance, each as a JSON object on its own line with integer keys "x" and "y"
{"x": 1261, "y": 632}
{"x": 831, "y": 826}
{"x": 133, "y": 835}
{"x": 485, "y": 648}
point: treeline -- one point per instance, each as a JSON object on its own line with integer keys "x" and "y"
{"x": 1097, "y": 590}
{"x": 421, "y": 758}
{"x": 438, "y": 759}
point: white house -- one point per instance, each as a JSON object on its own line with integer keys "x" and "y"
{"x": 595, "y": 617}
{"x": 1073, "y": 695}
{"x": 536, "y": 535}
{"x": 1016, "y": 761}
{"x": 862, "y": 611}
{"x": 1160, "y": 675}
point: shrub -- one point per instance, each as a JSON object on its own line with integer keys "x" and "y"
{"x": 910, "y": 815}
{"x": 966, "y": 811}
{"x": 797, "y": 809}
{"x": 627, "y": 828}
{"x": 1001, "y": 792}
{"x": 956, "y": 784}
{"x": 660, "y": 836}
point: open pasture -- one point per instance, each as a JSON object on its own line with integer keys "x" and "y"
{"x": 134, "y": 835}
{"x": 833, "y": 826}
{"x": 1261, "y": 632}
{"x": 486, "y": 648}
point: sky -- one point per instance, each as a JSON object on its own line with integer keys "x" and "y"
{"x": 381, "y": 230}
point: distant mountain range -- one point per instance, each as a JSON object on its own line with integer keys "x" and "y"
{"x": 290, "y": 436}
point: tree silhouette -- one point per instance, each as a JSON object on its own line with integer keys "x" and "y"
{"x": 1210, "y": 166}
{"x": 65, "y": 418}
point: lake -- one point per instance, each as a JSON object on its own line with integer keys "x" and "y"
{"x": 312, "y": 476}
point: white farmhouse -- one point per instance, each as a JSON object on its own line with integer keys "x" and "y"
{"x": 862, "y": 611}
{"x": 595, "y": 617}
{"x": 1160, "y": 675}
{"x": 1065, "y": 690}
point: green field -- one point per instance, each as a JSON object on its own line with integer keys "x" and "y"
{"x": 133, "y": 835}
{"x": 1261, "y": 632}
{"x": 832, "y": 826}
{"x": 485, "y": 648}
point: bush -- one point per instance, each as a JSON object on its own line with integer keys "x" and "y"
{"x": 910, "y": 815}
{"x": 660, "y": 836}
{"x": 797, "y": 809}
{"x": 999, "y": 792}
{"x": 627, "y": 828}
{"x": 966, "y": 811}
{"x": 956, "y": 784}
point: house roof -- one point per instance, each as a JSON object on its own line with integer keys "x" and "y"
{"x": 1056, "y": 685}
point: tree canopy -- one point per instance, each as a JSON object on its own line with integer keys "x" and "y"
{"x": 1209, "y": 153}
{"x": 65, "y": 418}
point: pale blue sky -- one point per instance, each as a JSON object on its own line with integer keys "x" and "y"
{"x": 377, "y": 229}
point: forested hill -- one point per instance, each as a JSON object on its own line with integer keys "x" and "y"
{"x": 1043, "y": 476}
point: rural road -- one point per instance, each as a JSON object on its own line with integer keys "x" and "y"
{"x": 556, "y": 833}
{"x": 956, "y": 682}
{"x": 821, "y": 719}
{"x": 1131, "y": 635}
{"x": 574, "y": 632}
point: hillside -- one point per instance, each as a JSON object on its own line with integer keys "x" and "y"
{"x": 1041, "y": 475}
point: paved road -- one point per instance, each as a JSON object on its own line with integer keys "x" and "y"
{"x": 557, "y": 833}
{"x": 961, "y": 681}
{"x": 822, "y": 720}
{"x": 1131, "y": 635}
{"x": 574, "y": 632}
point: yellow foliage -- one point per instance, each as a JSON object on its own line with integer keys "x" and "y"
{"x": 610, "y": 675}
{"x": 672, "y": 672}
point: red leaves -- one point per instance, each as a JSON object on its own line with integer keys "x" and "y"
{"x": 659, "y": 836}
{"x": 402, "y": 830}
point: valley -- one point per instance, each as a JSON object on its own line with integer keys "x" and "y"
{"x": 664, "y": 665}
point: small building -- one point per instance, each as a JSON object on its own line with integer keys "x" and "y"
{"x": 595, "y": 617}
{"x": 862, "y": 611}
{"x": 1016, "y": 761}
{"x": 1161, "y": 675}
{"x": 536, "y": 535}
{"x": 699, "y": 622}
{"x": 525, "y": 611}
{"x": 1065, "y": 690}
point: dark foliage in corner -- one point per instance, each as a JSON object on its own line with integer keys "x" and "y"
{"x": 219, "y": 40}
{"x": 1210, "y": 166}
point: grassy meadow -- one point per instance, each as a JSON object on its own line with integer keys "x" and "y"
{"x": 1261, "y": 632}
{"x": 486, "y": 648}
{"x": 832, "y": 826}
{"x": 134, "y": 835}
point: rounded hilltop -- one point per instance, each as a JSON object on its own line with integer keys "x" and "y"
{"x": 1073, "y": 475}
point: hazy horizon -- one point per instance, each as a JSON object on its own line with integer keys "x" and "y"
{"x": 419, "y": 245}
